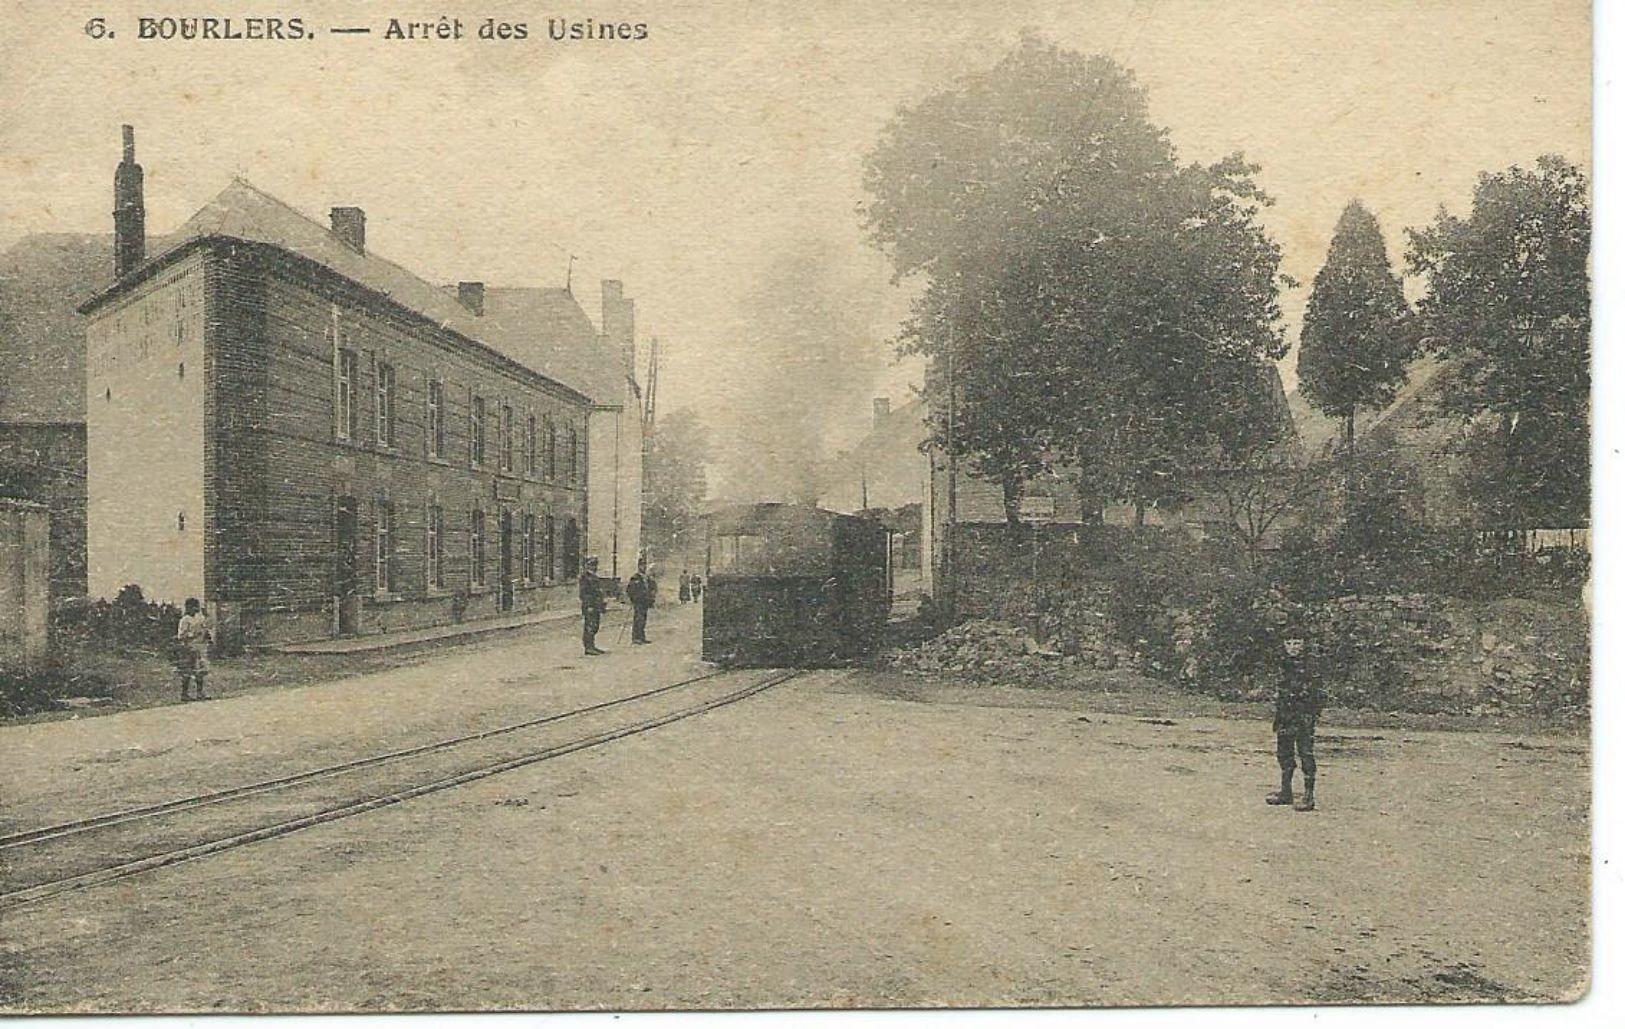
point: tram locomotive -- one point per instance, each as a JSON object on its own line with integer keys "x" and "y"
{"x": 794, "y": 586}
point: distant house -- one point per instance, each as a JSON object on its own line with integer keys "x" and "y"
{"x": 1424, "y": 439}
{"x": 958, "y": 497}
{"x": 887, "y": 468}
{"x": 316, "y": 441}
{"x": 42, "y": 398}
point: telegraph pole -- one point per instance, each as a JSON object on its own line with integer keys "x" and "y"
{"x": 949, "y": 563}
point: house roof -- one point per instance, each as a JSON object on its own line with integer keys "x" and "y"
{"x": 1320, "y": 433}
{"x": 547, "y": 330}
{"x": 244, "y": 212}
{"x": 43, "y": 278}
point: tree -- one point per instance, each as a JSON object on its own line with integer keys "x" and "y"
{"x": 1357, "y": 338}
{"x": 1508, "y": 302}
{"x": 674, "y": 481}
{"x": 1092, "y": 296}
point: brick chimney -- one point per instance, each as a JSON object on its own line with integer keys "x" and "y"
{"x": 619, "y": 321}
{"x": 882, "y": 409}
{"x": 350, "y": 226}
{"x": 129, "y": 211}
{"x": 472, "y": 296}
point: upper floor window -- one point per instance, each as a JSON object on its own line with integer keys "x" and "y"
{"x": 437, "y": 418}
{"x": 571, "y": 443}
{"x": 344, "y": 394}
{"x": 386, "y": 405}
{"x": 530, "y": 445}
{"x": 476, "y": 431}
{"x": 550, "y": 452}
{"x": 507, "y": 438}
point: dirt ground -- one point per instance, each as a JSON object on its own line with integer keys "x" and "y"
{"x": 855, "y": 839}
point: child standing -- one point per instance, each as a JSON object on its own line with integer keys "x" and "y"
{"x": 192, "y": 639}
{"x": 1297, "y": 707}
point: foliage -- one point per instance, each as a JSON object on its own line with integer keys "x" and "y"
{"x": 130, "y": 620}
{"x": 674, "y": 490}
{"x": 1097, "y": 305}
{"x": 1357, "y": 337}
{"x": 1508, "y": 301}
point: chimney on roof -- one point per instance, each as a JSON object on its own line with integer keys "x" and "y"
{"x": 882, "y": 409}
{"x": 129, "y": 211}
{"x": 617, "y": 323}
{"x": 472, "y": 296}
{"x": 350, "y": 226}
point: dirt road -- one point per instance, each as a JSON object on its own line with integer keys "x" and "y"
{"x": 833, "y": 843}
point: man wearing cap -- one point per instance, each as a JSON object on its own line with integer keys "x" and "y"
{"x": 592, "y": 606}
{"x": 1297, "y": 707}
{"x": 640, "y": 590}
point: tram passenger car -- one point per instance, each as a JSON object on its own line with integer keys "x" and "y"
{"x": 789, "y": 585}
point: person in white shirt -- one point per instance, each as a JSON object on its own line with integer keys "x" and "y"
{"x": 192, "y": 639}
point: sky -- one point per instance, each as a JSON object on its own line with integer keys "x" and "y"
{"x": 690, "y": 163}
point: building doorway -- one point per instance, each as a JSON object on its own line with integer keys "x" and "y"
{"x": 505, "y": 549}
{"x": 346, "y": 568}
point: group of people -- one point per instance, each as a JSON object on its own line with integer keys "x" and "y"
{"x": 641, "y": 589}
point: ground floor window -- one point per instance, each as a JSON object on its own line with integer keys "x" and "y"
{"x": 476, "y": 547}
{"x": 572, "y": 549}
{"x": 384, "y": 551}
{"x": 550, "y": 566}
{"x": 527, "y": 547}
{"x": 435, "y": 547}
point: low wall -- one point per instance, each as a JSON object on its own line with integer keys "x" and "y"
{"x": 25, "y": 570}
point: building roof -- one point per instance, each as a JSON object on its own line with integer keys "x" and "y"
{"x": 244, "y": 212}
{"x": 547, "y": 330}
{"x": 1321, "y": 433}
{"x": 43, "y": 278}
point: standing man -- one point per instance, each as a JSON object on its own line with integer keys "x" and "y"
{"x": 684, "y": 593}
{"x": 592, "y": 607}
{"x": 1297, "y": 708}
{"x": 640, "y": 590}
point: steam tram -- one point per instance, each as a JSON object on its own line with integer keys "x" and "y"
{"x": 794, "y": 586}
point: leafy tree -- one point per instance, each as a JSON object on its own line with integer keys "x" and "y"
{"x": 1508, "y": 302}
{"x": 1357, "y": 338}
{"x": 1095, "y": 297}
{"x": 674, "y": 480}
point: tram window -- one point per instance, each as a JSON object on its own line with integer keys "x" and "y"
{"x": 731, "y": 551}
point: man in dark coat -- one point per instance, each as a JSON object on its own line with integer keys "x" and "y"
{"x": 591, "y": 592}
{"x": 640, "y": 590}
{"x": 684, "y": 590}
{"x": 1297, "y": 707}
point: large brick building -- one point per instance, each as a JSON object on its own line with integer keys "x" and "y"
{"x": 317, "y": 441}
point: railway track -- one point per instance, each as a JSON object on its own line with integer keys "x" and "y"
{"x": 65, "y": 857}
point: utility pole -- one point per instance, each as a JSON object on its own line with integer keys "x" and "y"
{"x": 949, "y": 564}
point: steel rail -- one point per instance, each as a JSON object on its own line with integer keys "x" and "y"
{"x": 44, "y": 891}
{"x": 61, "y": 829}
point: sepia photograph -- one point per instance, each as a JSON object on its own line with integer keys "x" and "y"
{"x": 719, "y": 506}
